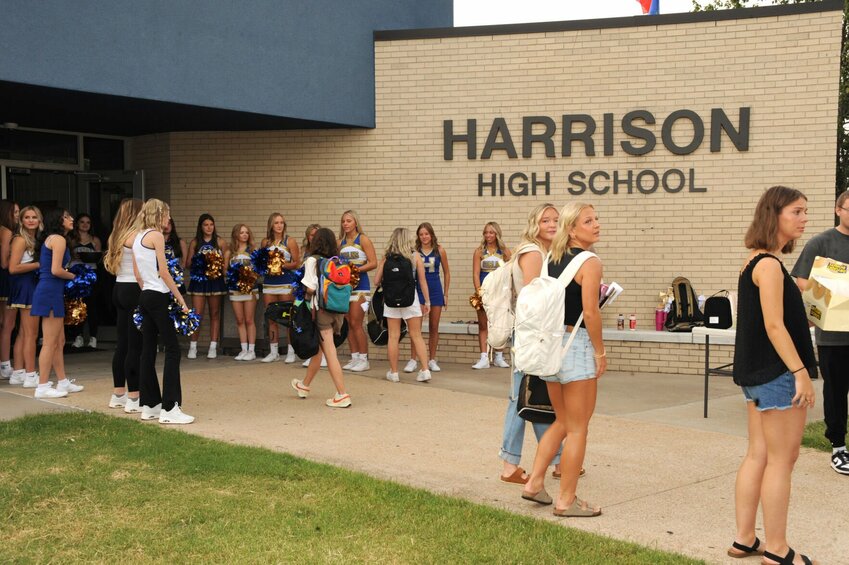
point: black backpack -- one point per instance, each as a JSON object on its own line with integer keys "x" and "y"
{"x": 303, "y": 333}
{"x": 685, "y": 314}
{"x": 398, "y": 282}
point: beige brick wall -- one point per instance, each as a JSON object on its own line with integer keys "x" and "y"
{"x": 784, "y": 68}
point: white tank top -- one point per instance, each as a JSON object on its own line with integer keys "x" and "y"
{"x": 125, "y": 269}
{"x": 146, "y": 262}
{"x": 27, "y": 257}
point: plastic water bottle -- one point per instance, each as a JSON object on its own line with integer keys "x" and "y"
{"x": 702, "y": 302}
{"x": 620, "y": 322}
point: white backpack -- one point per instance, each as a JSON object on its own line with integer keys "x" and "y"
{"x": 497, "y": 298}
{"x": 538, "y": 341}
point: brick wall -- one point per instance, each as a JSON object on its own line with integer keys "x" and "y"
{"x": 784, "y": 68}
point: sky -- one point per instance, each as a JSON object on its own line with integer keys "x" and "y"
{"x": 493, "y": 12}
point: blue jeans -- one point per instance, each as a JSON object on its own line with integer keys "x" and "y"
{"x": 514, "y": 428}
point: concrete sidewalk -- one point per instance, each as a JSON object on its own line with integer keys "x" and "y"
{"x": 663, "y": 474}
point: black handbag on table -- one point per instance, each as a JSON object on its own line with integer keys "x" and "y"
{"x": 533, "y": 404}
{"x": 718, "y": 313}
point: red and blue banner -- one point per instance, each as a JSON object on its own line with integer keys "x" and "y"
{"x": 650, "y": 7}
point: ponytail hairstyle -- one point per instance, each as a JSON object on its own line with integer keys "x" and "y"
{"x": 151, "y": 214}
{"x": 122, "y": 225}
{"x": 568, "y": 218}
{"x": 53, "y": 220}
{"x": 199, "y": 232}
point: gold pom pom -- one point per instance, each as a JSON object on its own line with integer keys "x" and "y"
{"x": 75, "y": 312}
{"x": 214, "y": 264}
{"x": 275, "y": 262}
{"x": 247, "y": 279}
{"x": 476, "y": 301}
{"x": 355, "y": 276}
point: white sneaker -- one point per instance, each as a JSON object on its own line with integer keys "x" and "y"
{"x": 18, "y": 377}
{"x": 290, "y": 355}
{"x": 92, "y": 342}
{"x": 411, "y": 366}
{"x": 49, "y": 392}
{"x": 118, "y": 401}
{"x": 362, "y": 365}
{"x": 350, "y": 364}
{"x": 5, "y": 373}
{"x": 31, "y": 381}
{"x": 249, "y": 356}
{"x": 433, "y": 366}
{"x": 323, "y": 361}
{"x": 68, "y": 386}
{"x": 392, "y": 377}
{"x": 500, "y": 362}
{"x": 241, "y": 355}
{"x": 271, "y": 357}
{"x": 306, "y": 363}
{"x": 132, "y": 406}
{"x": 299, "y": 386}
{"x": 337, "y": 401}
{"x": 78, "y": 342}
{"x": 175, "y": 416}
{"x": 483, "y": 363}
{"x": 149, "y": 413}
{"x": 212, "y": 353}
{"x": 423, "y": 376}
{"x": 193, "y": 352}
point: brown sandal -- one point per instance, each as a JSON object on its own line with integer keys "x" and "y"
{"x": 557, "y": 475}
{"x": 578, "y": 509}
{"x": 516, "y": 477}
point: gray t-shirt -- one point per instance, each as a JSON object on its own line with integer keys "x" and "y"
{"x": 834, "y": 245}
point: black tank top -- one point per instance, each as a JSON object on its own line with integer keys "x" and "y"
{"x": 755, "y": 360}
{"x": 574, "y": 304}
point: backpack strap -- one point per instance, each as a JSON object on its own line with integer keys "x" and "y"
{"x": 566, "y": 278}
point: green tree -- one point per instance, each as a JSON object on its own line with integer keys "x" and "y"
{"x": 842, "y": 153}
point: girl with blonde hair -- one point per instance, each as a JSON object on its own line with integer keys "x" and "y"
{"x": 244, "y": 304}
{"x": 401, "y": 244}
{"x": 23, "y": 275}
{"x": 125, "y": 297}
{"x": 277, "y": 287}
{"x": 357, "y": 248}
{"x": 152, "y": 268}
{"x": 488, "y": 256}
{"x": 573, "y": 389}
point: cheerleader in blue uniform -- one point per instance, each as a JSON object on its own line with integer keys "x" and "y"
{"x": 8, "y": 223}
{"x": 277, "y": 284}
{"x": 358, "y": 249}
{"x": 207, "y": 291}
{"x": 434, "y": 259}
{"x": 48, "y": 302}
{"x": 489, "y": 255}
{"x": 244, "y": 304}
{"x": 23, "y": 274}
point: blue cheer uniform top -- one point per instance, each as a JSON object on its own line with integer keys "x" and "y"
{"x": 49, "y": 295}
{"x": 242, "y": 258}
{"x": 279, "y": 284}
{"x": 208, "y": 287}
{"x": 432, "y": 262}
{"x": 22, "y": 286}
{"x": 490, "y": 261}
{"x": 355, "y": 254}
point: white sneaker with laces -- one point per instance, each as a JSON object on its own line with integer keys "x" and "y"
{"x": 433, "y": 366}
{"x": 392, "y": 377}
{"x": 249, "y": 356}
{"x": 500, "y": 362}
{"x": 411, "y": 366}
{"x": 362, "y": 365}
{"x": 18, "y": 377}
{"x": 212, "y": 353}
{"x": 423, "y": 376}
{"x": 31, "y": 380}
{"x": 5, "y": 373}
{"x": 78, "y": 342}
{"x": 151, "y": 413}
{"x": 118, "y": 401}
{"x": 49, "y": 392}
{"x": 343, "y": 401}
{"x": 68, "y": 386}
{"x": 175, "y": 416}
{"x": 290, "y": 355}
{"x": 193, "y": 351}
{"x": 840, "y": 462}
{"x": 483, "y": 363}
{"x": 132, "y": 406}
{"x": 92, "y": 342}
{"x": 299, "y": 386}
{"x": 355, "y": 358}
{"x": 241, "y": 355}
{"x": 271, "y": 357}
{"x": 306, "y": 363}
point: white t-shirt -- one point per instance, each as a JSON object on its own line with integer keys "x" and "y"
{"x": 310, "y": 279}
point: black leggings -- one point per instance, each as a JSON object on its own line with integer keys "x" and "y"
{"x": 125, "y": 361}
{"x": 834, "y": 365}
{"x": 154, "y": 308}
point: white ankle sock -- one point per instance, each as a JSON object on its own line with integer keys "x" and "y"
{"x": 274, "y": 347}
{"x": 251, "y": 347}
{"x": 213, "y": 345}
{"x": 6, "y": 364}
{"x": 244, "y": 346}
{"x": 193, "y": 345}
{"x": 838, "y": 449}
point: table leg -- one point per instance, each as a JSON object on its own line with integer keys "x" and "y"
{"x": 707, "y": 371}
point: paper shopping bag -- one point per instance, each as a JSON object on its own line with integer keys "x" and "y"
{"x": 827, "y": 295}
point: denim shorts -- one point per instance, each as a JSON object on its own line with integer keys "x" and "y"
{"x": 777, "y": 394}
{"x": 578, "y": 364}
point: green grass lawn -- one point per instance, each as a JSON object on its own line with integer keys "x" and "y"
{"x": 814, "y": 436}
{"x": 92, "y": 488}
